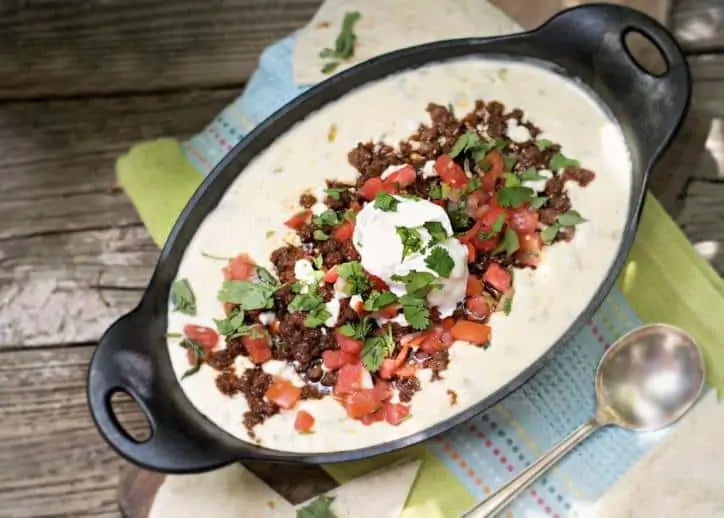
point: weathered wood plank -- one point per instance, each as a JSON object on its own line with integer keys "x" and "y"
{"x": 699, "y": 24}
{"x": 112, "y": 47}
{"x": 702, "y": 220}
{"x": 66, "y": 468}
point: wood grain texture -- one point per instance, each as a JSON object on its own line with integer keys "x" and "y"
{"x": 113, "y": 47}
{"x": 53, "y": 462}
{"x": 699, "y": 24}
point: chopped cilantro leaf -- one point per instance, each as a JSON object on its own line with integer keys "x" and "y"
{"x": 343, "y": 45}
{"x": 570, "y": 218}
{"x": 437, "y": 231}
{"x": 317, "y": 317}
{"x": 306, "y": 302}
{"x": 411, "y": 240}
{"x": 386, "y": 202}
{"x": 320, "y": 236}
{"x": 508, "y": 305}
{"x": 330, "y": 67}
{"x": 549, "y": 233}
{"x": 265, "y": 275}
{"x": 537, "y": 202}
{"x": 511, "y": 180}
{"x": 328, "y": 217}
{"x": 318, "y": 262}
{"x": 473, "y": 184}
{"x": 376, "y": 349}
{"x": 248, "y": 295}
{"x": 510, "y": 243}
{"x": 416, "y": 312}
{"x": 378, "y": 300}
{"x": 358, "y": 330}
{"x": 531, "y": 175}
{"x": 458, "y": 214}
{"x": 356, "y": 281}
{"x": 509, "y": 161}
{"x": 543, "y": 144}
{"x": 334, "y": 192}
{"x": 182, "y": 297}
{"x": 495, "y": 229}
{"x": 470, "y": 141}
{"x": 436, "y": 191}
{"x": 561, "y": 161}
{"x": 199, "y": 355}
{"x": 440, "y": 262}
{"x": 233, "y": 325}
{"x": 417, "y": 284}
{"x": 514, "y": 196}
{"x": 319, "y": 508}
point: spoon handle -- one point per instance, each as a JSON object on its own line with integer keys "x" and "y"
{"x": 503, "y": 496}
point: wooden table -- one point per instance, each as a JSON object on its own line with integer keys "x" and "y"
{"x": 80, "y": 81}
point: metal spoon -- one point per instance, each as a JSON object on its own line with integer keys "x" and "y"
{"x": 645, "y": 381}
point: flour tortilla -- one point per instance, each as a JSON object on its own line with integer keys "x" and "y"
{"x": 235, "y": 492}
{"x": 385, "y": 26}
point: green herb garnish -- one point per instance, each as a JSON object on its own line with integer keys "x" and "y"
{"x": 233, "y": 325}
{"x": 436, "y": 191}
{"x": 495, "y": 229}
{"x": 343, "y": 45}
{"x": 411, "y": 240}
{"x": 514, "y": 196}
{"x": 416, "y": 312}
{"x": 386, "y": 202}
{"x": 437, "y": 232}
{"x": 378, "y": 300}
{"x": 320, "y": 236}
{"x": 440, "y": 262}
{"x": 318, "y": 262}
{"x": 543, "y": 144}
{"x": 470, "y": 142}
{"x": 357, "y": 330}
{"x": 537, "y": 202}
{"x": 199, "y": 355}
{"x": 417, "y": 284}
{"x": 561, "y": 161}
{"x": 216, "y": 257}
{"x": 248, "y": 295}
{"x": 356, "y": 281}
{"x": 182, "y": 297}
{"x": 570, "y": 218}
{"x": 376, "y": 349}
{"x": 549, "y": 233}
{"x": 317, "y": 317}
{"x": 328, "y": 217}
{"x": 508, "y": 305}
{"x": 510, "y": 243}
{"x": 334, "y": 192}
{"x": 319, "y": 508}
{"x": 511, "y": 180}
{"x": 531, "y": 175}
{"x": 509, "y": 161}
{"x": 458, "y": 214}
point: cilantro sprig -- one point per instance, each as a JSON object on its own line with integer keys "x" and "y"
{"x": 233, "y": 325}
{"x": 386, "y": 202}
{"x": 470, "y": 142}
{"x": 182, "y": 297}
{"x": 198, "y": 353}
{"x": 440, "y": 261}
{"x": 319, "y": 508}
{"x": 343, "y": 45}
{"x": 356, "y": 281}
{"x": 376, "y": 349}
{"x": 411, "y": 240}
{"x": 567, "y": 219}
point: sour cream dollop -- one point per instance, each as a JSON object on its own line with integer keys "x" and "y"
{"x": 380, "y": 246}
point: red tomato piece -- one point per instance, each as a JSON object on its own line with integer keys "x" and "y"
{"x": 361, "y": 403}
{"x": 349, "y": 379}
{"x": 331, "y": 276}
{"x": 382, "y": 390}
{"x": 333, "y": 359}
{"x": 490, "y": 178}
{"x": 299, "y": 220}
{"x": 478, "y": 307}
{"x": 377, "y": 283}
{"x": 403, "y": 177}
{"x": 204, "y": 336}
{"x": 390, "y": 311}
{"x": 474, "y": 287}
{"x": 486, "y": 245}
{"x": 523, "y": 220}
{"x": 375, "y": 417}
{"x": 498, "y": 277}
{"x": 347, "y": 344}
{"x": 304, "y": 422}
{"x": 240, "y": 268}
{"x": 478, "y": 203}
{"x": 257, "y": 346}
{"x": 468, "y": 236}
{"x": 387, "y": 369}
{"x": 447, "y": 323}
{"x": 283, "y": 393}
{"x": 471, "y": 252}
{"x": 530, "y": 249}
{"x": 395, "y": 413}
{"x": 370, "y": 188}
{"x": 450, "y": 173}
{"x": 344, "y": 231}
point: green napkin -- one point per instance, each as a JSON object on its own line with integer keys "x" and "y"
{"x": 664, "y": 280}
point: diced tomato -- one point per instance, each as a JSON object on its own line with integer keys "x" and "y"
{"x": 240, "y": 268}
{"x": 395, "y": 413}
{"x": 382, "y": 390}
{"x": 346, "y": 343}
{"x": 361, "y": 403}
{"x": 478, "y": 307}
{"x": 447, "y": 323}
{"x": 523, "y": 220}
{"x": 375, "y": 417}
{"x": 450, "y": 173}
{"x": 349, "y": 379}
{"x": 371, "y": 187}
{"x": 304, "y": 422}
{"x": 471, "y": 234}
{"x": 433, "y": 342}
{"x": 344, "y": 231}
{"x": 485, "y": 226}
{"x": 377, "y": 283}
{"x": 257, "y": 346}
{"x": 473, "y": 332}
{"x": 204, "y": 336}
{"x": 299, "y": 220}
{"x": 477, "y": 203}
{"x": 486, "y": 245}
{"x": 283, "y": 393}
{"x": 530, "y": 249}
{"x": 498, "y": 277}
{"x": 471, "y": 252}
{"x": 333, "y": 359}
{"x": 389, "y": 311}
{"x": 331, "y": 276}
{"x": 387, "y": 369}
{"x": 403, "y": 177}
{"x": 491, "y": 217}
{"x": 474, "y": 287}
{"x": 490, "y": 178}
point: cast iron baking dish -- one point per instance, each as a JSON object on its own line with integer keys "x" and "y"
{"x": 585, "y": 42}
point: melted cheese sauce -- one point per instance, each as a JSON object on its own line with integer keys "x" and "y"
{"x": 250, "y": 218}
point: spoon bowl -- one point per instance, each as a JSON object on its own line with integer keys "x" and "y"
{"x": 645, "y": 381}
